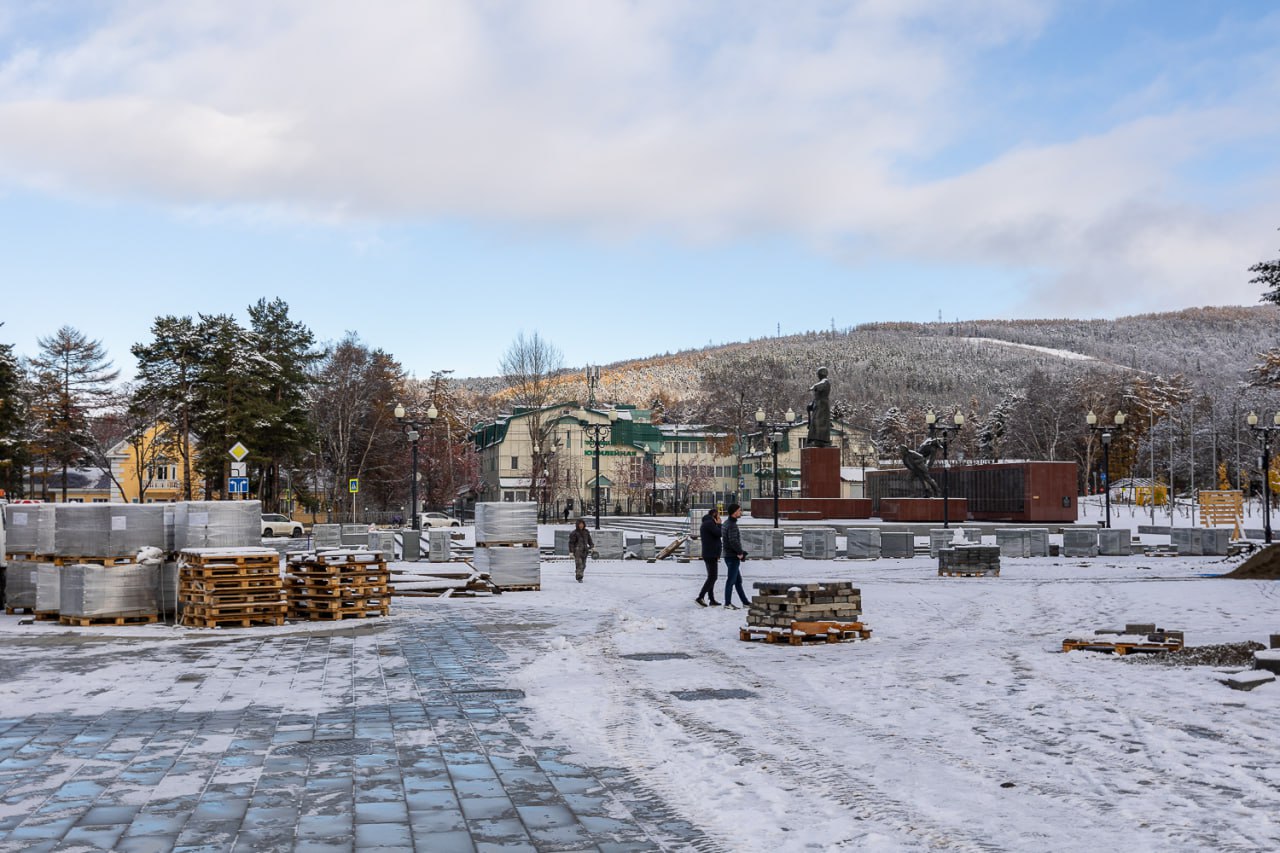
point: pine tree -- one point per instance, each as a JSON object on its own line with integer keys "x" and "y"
{"x": 167, "y": 370}
{"x": 73, "y": 373}
{"x": 13, "y": 449}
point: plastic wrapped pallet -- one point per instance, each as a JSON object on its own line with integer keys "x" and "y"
{"x": 561, "y": 548}
{"x": 608, "y": 544}
{"x": 1188, "y": 540}
{"x": 82, "y": 530}
{"x": 355, "y": 535}
{"x": 103, "y": 591}
{"x": 217, "y": 524}
{"x": 506, "y": 522}
{"x": 1079, "y": 543}
{"x": 1038, "y": 541}
{"x": 818, "y": 544}
{"x": 1114, "y": 543}
{"x": 134, "y": 527}
{"x": 757, "y": 542}
{"x": 439, "y": 545}
{"x": 512, "y": 566}
{"x": 383, "y": 541}
{"x": 897, "y": 544}
{"x": 1013, "y": 541}
{"x": 1216, "y": 541}
{"x": 778, "y": 548}
{"x": 972, "y": 535}
{"x": 944, "y": 538}
{"x": 48, "y": 588}
{"x": 29, "y": 528}
{"x": 410, "y": 545}
{"x": 170, "y": 532}
{"x": 693, "y": 548}
{"x": 326, "y": 535}
{"x": 642, "y": 547}
{"x": 862, "y": 543}
{"x": 20, "y": 584}
{"x": 167, "y": 600}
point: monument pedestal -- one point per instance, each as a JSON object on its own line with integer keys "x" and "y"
{"x": 923, "y": 509}
{"x": 800, "y": 509}
{"x": 820, "y": 472}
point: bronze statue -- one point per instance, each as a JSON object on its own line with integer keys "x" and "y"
{"x": 820, "y": 412}
{"x": 918, "y": 462}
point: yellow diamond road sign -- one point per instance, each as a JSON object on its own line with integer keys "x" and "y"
{"x": 238, "y": 451}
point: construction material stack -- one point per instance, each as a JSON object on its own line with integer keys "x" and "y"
{"x": 507, "y": 544}
{"x": 642, "y": 547}
{"x": 217, "y": 524}
{"x": 107, "y": 595}
{"x": 439, "y": 546}
{"x": 326, "y": 536}
{"x": 862, "y": 543}
{"x": 1080, "y": 542}
{"x": 826, "y": 611}
{"x": 818, "y": 544}
{"x": 346, "y": 583}
{"x": 355, "y": 535}
{"x": 897, "y": 544}
{"x": 969, "y": 561}
{"x": 20, "y": 585}
{"x": 609, "y": 544}
{"x": 230, "y": 587}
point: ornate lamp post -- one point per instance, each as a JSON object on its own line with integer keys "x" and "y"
{"x": 412, "y": 431}
{"x": 651, "y": 460}
{"x": 1106, "y": 429}
{"x": 1265, "y": 432}
{"x": 776, "y": 435}
{"x": 595, "y": 465}
{"x": 957, "y": 423}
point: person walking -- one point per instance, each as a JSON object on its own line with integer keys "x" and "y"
{"x": 731, "y": 542}
{"x": 709, "y": 534}
{"x": 580, "y": 546}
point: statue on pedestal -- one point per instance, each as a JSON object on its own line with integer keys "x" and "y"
{"x": 820, "y": 412}
{"x": 918, "y": 462}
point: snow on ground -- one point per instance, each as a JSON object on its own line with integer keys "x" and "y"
{"x": 960, "y": 725}
{"x": 1060, "y": 353}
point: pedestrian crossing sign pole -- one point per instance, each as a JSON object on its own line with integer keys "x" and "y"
{"x": 353, "y": 485}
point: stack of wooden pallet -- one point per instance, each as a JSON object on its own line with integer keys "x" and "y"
{"x": 1140, "y": 637}
{"x": 341, "y": 584}
{"x": 829, "y": 611}
{"x": 230, "y": 587}
{"x": 969, "y": 561}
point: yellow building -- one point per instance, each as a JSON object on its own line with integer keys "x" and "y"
{"x": 147, "y": 467}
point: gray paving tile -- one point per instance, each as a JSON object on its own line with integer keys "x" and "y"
{"x": 369, "y": 835}
{"x": 487, "y": 808}
{"x": 145, "y": 844}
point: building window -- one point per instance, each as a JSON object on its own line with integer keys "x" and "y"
{"x": 515, "y": 463}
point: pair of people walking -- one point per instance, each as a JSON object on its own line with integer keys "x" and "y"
{"x": 722, "y": 539}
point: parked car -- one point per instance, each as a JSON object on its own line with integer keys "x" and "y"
{"x": 275, "y": 524}
{"x": 438, "y": 519}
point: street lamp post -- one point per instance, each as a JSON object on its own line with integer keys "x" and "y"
{"x": 652, "y": 461}
{"x": 1265, "y": 432}
{"x": 957, "y": 423}
{"x": 1106, "y": 429}
{"x": 413, "y": 431}
{"x": 776, "y": 436}
{"x": 595, "y": 465}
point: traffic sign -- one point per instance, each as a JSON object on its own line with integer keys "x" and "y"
{"x": 239, "y": 469}
{"x": 238, "y": 451}
{"x": 238, "y": 486}
{"x": 353, "y": 485}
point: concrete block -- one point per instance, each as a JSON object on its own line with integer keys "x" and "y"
{"x": 1013, "y": 541}
{"x": 862, "y": 543}
{"x": 1037, "y": 542}
{"x": 1188, "y": 540}
{"x": 897, "y": 544}
{"x": 1079, "y": 543}
{"x": 1114, "y": 543}
{"x": 1215, "y": 541}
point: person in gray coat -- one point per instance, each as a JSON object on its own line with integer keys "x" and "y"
{"x": 731, "y": 542}
{"x": 580, "y": 545}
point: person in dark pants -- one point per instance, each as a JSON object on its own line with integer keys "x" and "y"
{"x": 580, "y": 546}
{"x": 709, "y": 533}
{"x": 731, "y": 541}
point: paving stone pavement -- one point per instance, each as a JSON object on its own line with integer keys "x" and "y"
{"x": 430, "y": 751}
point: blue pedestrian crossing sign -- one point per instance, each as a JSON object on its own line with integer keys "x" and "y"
{"x": 237, "y": 485}
{"x": 353, "y": 485}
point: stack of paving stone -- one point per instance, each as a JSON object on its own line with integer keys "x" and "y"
{"x": 970, "y": 561}
{"x": 230, "y": 587}
{"x": 29, "y": 529}
{"x": 507, "y": 544}
{"x": 439, "y": 545}
{"x": 107, "y": 595}
{"x": 818, "y": 543}
{"x": 561, "y": 546}
{"x": 762, "y": 543}
{"x": 326, "y": 536}
{"x": 609, "y": 544}
{"x": 217, "y": 524}
{"x": 354, "y": 535}
{"x": 1114, "y": 543}
{"x": 410, "y": 545}
{"x": 897, "y": 543}
{"x": 20, "y": 585}
{"x": 862, "y": 543}
{"x": 383, "y": 542}
{"x": 947, "y": 537}
{"x": 643, "y": 547}
{"x": 794, "y": 612}
{"x": 1080, "y": 542}
{"x": 338, "y": 584}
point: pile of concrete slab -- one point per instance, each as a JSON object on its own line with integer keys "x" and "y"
{"x": 777, "y": 605}
{"x": 969, "y": 561}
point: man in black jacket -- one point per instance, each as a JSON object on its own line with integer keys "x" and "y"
{"x": 709, "y": 533}
{"x": 733, "y": 554}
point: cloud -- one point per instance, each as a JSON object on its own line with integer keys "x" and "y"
{"x": 710, "y": 121}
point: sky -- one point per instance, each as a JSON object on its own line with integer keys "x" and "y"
{"x": 627, "y": 178}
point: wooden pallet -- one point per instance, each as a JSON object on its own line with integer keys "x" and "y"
{"x": 803, "y": 632}
{"x": 954, "y": 574}
{"x": 231, "y": 621}
{"x": 19, "y": 611}
{"x": 91, "y": 561}
{"x": 309, "y": 615}
{"x": 86, "y": 621}
{"x": 46, "y": 615}
{"x": 519, "y": 587}
{"x": 243, "y": 571}
{"x": 1120, "y": 647}
{"x": 523, "y": 543}
{"x": 235, "y": 610}
{"x": 234, "y": 598}
{"x": 229, "y": 584}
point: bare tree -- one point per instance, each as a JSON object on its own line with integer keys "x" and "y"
{"x": 529, "y": 367}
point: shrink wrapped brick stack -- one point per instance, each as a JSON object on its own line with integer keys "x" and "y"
{"x": 795, "y": 612}
{"x": 507, "y": 544}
